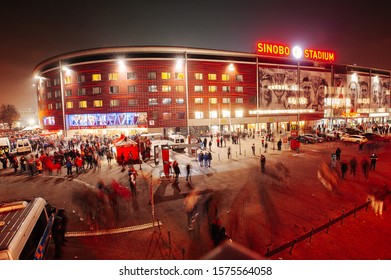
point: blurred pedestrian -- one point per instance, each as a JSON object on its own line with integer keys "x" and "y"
{"x": 353, "y": 165}
{"x": 229, "y": 152}
{"x": 374, "y": 158}
{"x": 365, "y": 167}
{"x": 59, "y": 228}
{"x": 333, "y": 160}
{"x": 338, "y": 154}
{"x": 344, "y": 168}
{"x": 253, "y": 149}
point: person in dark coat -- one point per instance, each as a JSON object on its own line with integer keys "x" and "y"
{"x": 58, "y": 231}
{"x": 344, "y": 168}
{"x": 353, "y": 165}
{"x": 338, "y": 154}
{"x": 374, "y": 158}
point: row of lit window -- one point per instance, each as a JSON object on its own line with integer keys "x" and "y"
{"x": 133, "y": 76}
{"x": 133, "y": 89}
{"x": 215, "y": 114}
{"x": 134, "y": 102}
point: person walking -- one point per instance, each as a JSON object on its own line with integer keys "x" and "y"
{"x": 58, "y": 231}
{"x": 266, "y": 147}
{"x": 177, "y": 170}
{"x": 374, "y": 158}
{"x": 201, "y": 159}
{"x": 338, "y": 154}
{"x": 344, "y": 168}
{"x": 365, "y": 167}
{"x": 279, "y": 144}
{"x": 229, "y": 152}
{"x": 209, "y": 158}
{"x": 253, "y": 149}
{"x": 190, "y": 202}
{"x": 263, "y": 163}
{"x": 353, "y": 165}
{"x": 333, "y": 160}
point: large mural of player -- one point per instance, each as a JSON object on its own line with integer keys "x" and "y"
{"x": 279, "y": 89}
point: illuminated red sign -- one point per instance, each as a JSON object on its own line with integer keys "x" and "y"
{"x": 283, "y": 50}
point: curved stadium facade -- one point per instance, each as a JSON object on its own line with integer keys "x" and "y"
{"x": 192, "y": 91}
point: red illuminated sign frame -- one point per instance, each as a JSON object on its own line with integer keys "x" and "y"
{"x": 281, "y": 50}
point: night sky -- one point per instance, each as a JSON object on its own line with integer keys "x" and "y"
{"x": 32, "y": 31}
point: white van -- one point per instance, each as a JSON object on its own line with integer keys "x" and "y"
{"x": 23, "y": 146}
{"x": 25, "y": 229}
{"x": 5, "y": 144}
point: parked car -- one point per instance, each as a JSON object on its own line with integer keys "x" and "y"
{"x": 354, "y": 138}
{"x": 352, "y": 131}
{"x": 307, "y": 138}
{"x": 318, "y": 139}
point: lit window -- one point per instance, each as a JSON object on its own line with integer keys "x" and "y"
{"x": 226, "y": 114}
{"x": 166, "y": 88}
{"x": 180, "y": 101}
{"x": 48, "y": 83}
{"x": 83, "y": 104}
{"x": 49, "y": 94}
{"x": 212, "y": 77}
{"x": 226, "y": 100}
{"x": 69, "y": 104}
{"x": 114, "y": 89}
{"x": 68, "y": 80}
{"x": 239, "y": 100}
{"x": 239, "y": 78}
{"x": 198, "y": 88}
{"x": 179, "y": 76}
{"x": 58, "y": 106}
{"x": 81, "y": 91}
{"x": 167, "y": 116}
{"x": 131, "y": 89}
{"x": 96, "y": 90}
{"x": 152, "y": 88}
{"x": 152, "y": 75}
{"x": 199, "y": 100}
{"x": 96, "y": 77}
{"x": 50, "y": 106}
{"x": 199, "y": 115}
{"x": 198, "y": 76}
{"x": 213, "y": 114}
{"x": 179, "y": 88}
{"x": 57, "y": 93}
{"x": 225, "y": 77}
{"x": 166, "y": 75}
{"x": 213, "y": 100}
{"x": 114, "y": 103}
{"x": 97, "y": 103}
{"x": 239, "y": 89}
{"x": 226, "y": 88}
{"x": 81, "y": 79}
{"x": 113, "y": 76}
{"x": 131, "y": 75}
{"x": 212, "y": 88}
{"x": 239, "y": 114}
{"x": 56, "y": 82}
{"x": 166, "y": 101}
{"x": 132, "y": 102}
{"x": 68, "y": 92}
{"x": 152, "y": 101}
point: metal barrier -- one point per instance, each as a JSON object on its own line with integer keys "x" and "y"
{"x": 313, "y": 231}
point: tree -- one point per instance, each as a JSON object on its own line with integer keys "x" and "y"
{"x": 9, "y": 114}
